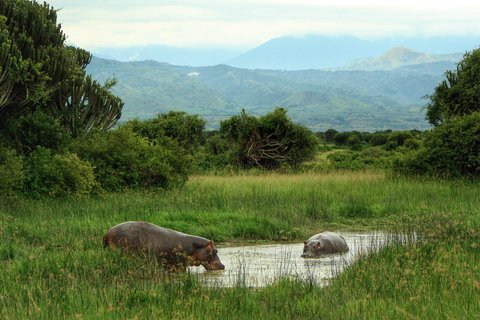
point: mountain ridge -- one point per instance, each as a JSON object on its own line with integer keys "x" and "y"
{"x": 319, "y": 99}
{"x": 399, "y": 57}
{"x": 337, "y": 52}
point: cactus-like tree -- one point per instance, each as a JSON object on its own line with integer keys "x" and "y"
{"x": 37, "y": 70}
{"x": 32, "y": 54}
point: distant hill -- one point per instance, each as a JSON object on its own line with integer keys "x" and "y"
{"x": 326, "y": 52}
{"x": 343, "y": 100}
{"x": 399, "y": 57}
{"x": 173, "y": 55}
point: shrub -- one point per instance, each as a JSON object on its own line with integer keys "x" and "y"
{"x": 346, "y": 160}
{"x": 12, "y": 174}
{"x": 185, "y": 129}
{"x": 451, "y": 149}
{"x": 35, "y": 129}
{"x": 378, "y": 139}
{"x": 269, "y": 142}
{"x": 124, "y": 160}
{"x": 58, "y": 175}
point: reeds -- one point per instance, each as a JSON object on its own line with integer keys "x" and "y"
{"x": 53, "y": 265}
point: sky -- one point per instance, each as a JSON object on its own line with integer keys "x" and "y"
{"x": 92, "y": 24}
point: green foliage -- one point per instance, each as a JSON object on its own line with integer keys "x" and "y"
{"x": 215, "y": 154}
{"x": 186, "y": 129}
{"x": 39, "y": 71}
{"x": 269, "y": 141}
{"x": 367, "y": 158}
{"x": 123, "y": 160}
{"x": 58, "y": 175}
{"x": 451, "y": 149}
{"x": 317, "y": 99}
{"x": 32, "y": 52}
{"x": 54, "y": 246}
{"x": 12, "y": 172}
{"x": 330, "y": 135}
{"x": 459, "y": 93}
{"x": 83, "y": 105}
{"x": 378, "y": 139}
{"x": 35, "y": 129}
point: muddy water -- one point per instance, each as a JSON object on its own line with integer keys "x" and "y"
{"x": 259, "y": 265}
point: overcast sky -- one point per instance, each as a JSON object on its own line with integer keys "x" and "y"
{"x": 247, "y": 23}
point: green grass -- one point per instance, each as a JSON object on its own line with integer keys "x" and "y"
{"x": 53, "y": 265}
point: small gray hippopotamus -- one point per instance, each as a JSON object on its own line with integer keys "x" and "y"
{"x": 322, "y": 243}
{"x": 174, "y": 250}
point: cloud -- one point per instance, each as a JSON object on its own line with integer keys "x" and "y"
{"x": 95, "y": 23}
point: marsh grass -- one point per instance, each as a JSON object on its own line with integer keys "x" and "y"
{"x": 53, "y": 265}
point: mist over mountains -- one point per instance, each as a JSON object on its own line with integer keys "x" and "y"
{"x": 291, "y": 53}
{"x": 343, "y": 83}
{"x": 343, "y": 100}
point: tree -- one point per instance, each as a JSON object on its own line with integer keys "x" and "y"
{"x": 83, "y": 105}
{"x": 268, "y": 141}
{"x": 32, "y": 55}
{"x": 38, "y": 71}
{"x": 459, "y": 93}
{"x": 451, "y": 150}
{"x": 330, "y": 135}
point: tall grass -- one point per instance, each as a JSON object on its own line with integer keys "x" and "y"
{"x": 53, "y": 265}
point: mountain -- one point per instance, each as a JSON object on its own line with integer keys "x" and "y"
{"x": 319, "y": 99}
{"x": 289, "y": 53}
{"x": 173, "y": 55}
{"x": 326, "y": 52}
{"x": 399, "y": 57}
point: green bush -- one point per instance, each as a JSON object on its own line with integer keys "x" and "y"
{"x": 35, "y": 129}
{"x": 58, "y": 175}
{"x": 124, "y": 160}
{"x": 12, "y": 174}
{"x": 451, "y": 150}
{"x": 185, "y": 129}
{"x": 268, "y": 142}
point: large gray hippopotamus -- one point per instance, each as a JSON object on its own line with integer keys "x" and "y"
{"x": 322, "y": 243}
{"x": 173, "y": 249}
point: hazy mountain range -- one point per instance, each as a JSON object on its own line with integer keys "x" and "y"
{"x": 343, "y": 99}
{"x": 343, "y": 83}
{"x": 399, "y": 57}
{"x": 291, "y": 53}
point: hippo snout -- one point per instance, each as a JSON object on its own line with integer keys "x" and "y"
{"x": 215, "y": 266}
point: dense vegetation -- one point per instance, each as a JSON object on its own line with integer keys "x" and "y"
{"x": 54, "y": 266}
{"x": 69, "y": 172}
{"x": 452, "y": 148}
{"x": 344, "y": 100}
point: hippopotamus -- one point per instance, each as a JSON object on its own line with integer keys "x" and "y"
{"x": 172, "y": 249}
{"x": 322, "y": 243}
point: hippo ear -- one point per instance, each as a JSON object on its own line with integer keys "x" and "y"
{"x": 209, "y": 244}
{"x": 317, "y": 245}
{"x": 305, "y": 242}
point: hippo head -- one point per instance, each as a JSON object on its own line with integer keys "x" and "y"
{"x": 311, "y": 249}
{"x": 206, "y": 255}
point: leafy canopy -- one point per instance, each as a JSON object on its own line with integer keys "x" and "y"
{"x": 459, "y": 93}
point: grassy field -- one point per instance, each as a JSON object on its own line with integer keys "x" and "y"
{"x": 54, "y": 267}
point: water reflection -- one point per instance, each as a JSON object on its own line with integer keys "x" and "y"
{"x": 259, "y": 265}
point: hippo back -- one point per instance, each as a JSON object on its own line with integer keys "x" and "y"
{"x": 331, "y": 242}
{"x": 323, "y": 243}
{"x": 169, "y": 246}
